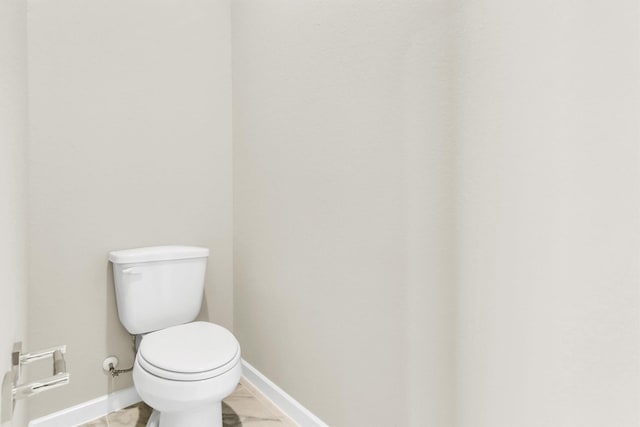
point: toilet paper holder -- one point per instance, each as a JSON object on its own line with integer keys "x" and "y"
{"x": 11, "y": 391}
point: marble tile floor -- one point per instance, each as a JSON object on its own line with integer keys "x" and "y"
{"x": 246, "y": 407}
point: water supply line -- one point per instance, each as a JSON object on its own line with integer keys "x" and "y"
{"x": 115, "y": 372}
{"x": 112, "y": 368}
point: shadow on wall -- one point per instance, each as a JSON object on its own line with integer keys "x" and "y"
{"x": 118, "y": 341}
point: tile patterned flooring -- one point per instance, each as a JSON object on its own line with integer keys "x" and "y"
{"x": 246, "y": 407}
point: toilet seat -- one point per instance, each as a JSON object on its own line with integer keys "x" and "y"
{"x": 190, "y": 352}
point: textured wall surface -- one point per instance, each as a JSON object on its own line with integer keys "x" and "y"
{"x": 342, "y": 205}
{"x": 13, "y": 186}
{"x": 407, "y": 173}
{"x": 547, "y": 249}
{"x": 130, "y": 146}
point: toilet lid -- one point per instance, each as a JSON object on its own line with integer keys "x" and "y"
{"x": 189, "y": 352}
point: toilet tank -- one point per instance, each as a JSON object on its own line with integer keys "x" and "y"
{"x": 158, "y": 287}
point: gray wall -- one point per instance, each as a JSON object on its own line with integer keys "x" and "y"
{"x": 547, "y": 236}
{"x": 130, "y": 146}
{"x": 13, "y": 187}
{"x": 342, "y": 205}
{"x": 399, "y": 185}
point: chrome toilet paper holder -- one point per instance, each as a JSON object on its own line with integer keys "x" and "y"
{"x": 12, "y": 391}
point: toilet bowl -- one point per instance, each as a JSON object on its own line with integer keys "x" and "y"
{"x": 185, "y": 371}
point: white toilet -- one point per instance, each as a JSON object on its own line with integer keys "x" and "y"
{"x": 182, "y": 370}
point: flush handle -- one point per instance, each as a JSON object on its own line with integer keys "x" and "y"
{"x": 131, "y": 271}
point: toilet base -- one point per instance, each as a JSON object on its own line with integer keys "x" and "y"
{"x": 154, "y": 419}
{"x": 209, "y": 415}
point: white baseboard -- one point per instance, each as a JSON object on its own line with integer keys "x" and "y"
{"x": 96, "y": 408}
{"x": 287, "y": 404}
{"x": 87, "y": 411}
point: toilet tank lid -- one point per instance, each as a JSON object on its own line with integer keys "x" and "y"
{"x": 157, "y": 253}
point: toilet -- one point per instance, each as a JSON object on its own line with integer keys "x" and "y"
{"x": 183, "y": 369}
